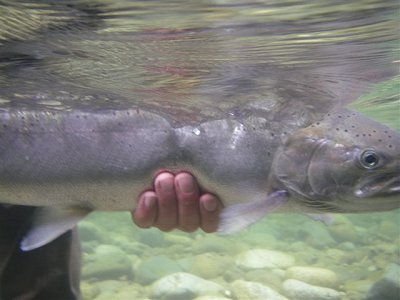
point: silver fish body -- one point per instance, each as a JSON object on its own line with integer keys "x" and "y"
{"x": 72, "y": 163}
{"x": 103, "y": 161}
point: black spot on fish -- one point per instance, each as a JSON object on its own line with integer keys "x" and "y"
{"x": 337, "y": 129}
{"x": 390, "y": 146}
{"x": 346, "y": 130}
{"x": 339, "y": 116}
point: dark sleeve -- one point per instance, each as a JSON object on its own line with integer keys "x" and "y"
{"x": 49, "y": 272}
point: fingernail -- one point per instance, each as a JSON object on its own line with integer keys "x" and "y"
{"x": 149, "y": 201}
{"x": 166, "y": 185}
{"x": 186, "y": 184}
{"x": 210, "y": 204}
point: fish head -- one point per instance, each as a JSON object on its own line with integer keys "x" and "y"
{"x": 343, "y": 163}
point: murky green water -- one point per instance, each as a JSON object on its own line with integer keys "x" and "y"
{"x": 197, "y": 60}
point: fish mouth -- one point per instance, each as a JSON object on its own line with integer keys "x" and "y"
{"x": 379, "y": 186}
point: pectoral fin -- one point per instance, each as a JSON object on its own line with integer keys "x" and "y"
{"x": 239, "y": 216}
{"x": 49, "y": 223}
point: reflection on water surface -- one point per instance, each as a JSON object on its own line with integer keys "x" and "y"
{"x": 194, "y": 60}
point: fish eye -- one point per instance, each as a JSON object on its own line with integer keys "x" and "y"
{"x": 369, "y": 159}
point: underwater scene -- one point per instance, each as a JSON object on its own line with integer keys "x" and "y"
{"x": 286, "y": 63}
{"x": 284, "y": 256}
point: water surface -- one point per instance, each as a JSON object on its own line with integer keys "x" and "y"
{"x": 194, "y": 60}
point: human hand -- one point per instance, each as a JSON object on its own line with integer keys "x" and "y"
{"x": 176, "y": 203}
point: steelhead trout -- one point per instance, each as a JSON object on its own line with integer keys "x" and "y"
{"x": 72, "y": 163}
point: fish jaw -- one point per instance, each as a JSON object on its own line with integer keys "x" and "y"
{"x": 383, "y": 186}
{"x": 376, "y": 194}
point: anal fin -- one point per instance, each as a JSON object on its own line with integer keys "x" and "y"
{"x": 239, "y": 216}
{"x": 49, "y": 223}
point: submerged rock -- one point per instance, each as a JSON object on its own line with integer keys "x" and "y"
{"x": 154, "y": 268}
{"x": 176, "y": 239}
{"x": 299, "y": 290}
{"x": 266, "y": 277}
{"x": 129, "y": 292}
{"x": 90, "y": 232}
{"x": 262, "y": 258}
{"x": 109, "y": 249}
{"x": 357, "y": 289}
{"x": 151, "y": 237}
{"x": 315, "y": 234}
{"x": 258, "y": 239}
{"x": 109, "y": 287}
{"x": 136, "y": 248}
{"x": 184, "y": 286}
{"x": 107, "y": 262}
{"x": 209, "y": 265}
{"x": 213, "y": 243}
{"x": 388, "y": 287}
{"x": 88, "y": 291}
{"x": 254, "y": 290}
{"x": 313, "y": 275}
{"x": 343, "y": 230}
{"x": 211, "y": 298}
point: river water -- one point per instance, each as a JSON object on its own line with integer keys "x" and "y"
{"x": 193, "y": 61}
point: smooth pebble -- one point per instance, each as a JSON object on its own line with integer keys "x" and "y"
{"x": 299, "y": 290}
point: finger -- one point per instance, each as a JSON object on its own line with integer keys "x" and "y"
{"x": 146, "y": 210}
{"x": 210, "y": 208}
{"x": 187, "y": 192}
{"x": 167, "y": 217}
